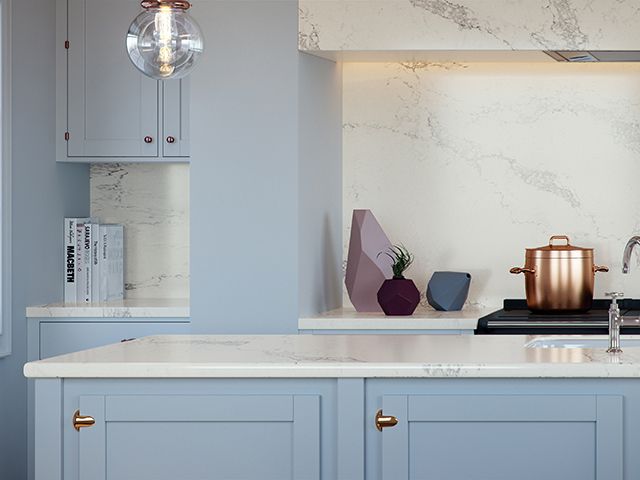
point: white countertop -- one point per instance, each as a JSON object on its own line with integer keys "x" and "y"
{"x": 423, "y": 319}
{"x": 330, "y": 356}
{"x": 135, "y": 308}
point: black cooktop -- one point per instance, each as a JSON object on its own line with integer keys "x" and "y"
{"x": 515, "y": 318}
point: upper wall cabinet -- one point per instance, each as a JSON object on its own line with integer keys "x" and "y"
{"x": 494, "y": 25}
{"x": 107, "y": 110}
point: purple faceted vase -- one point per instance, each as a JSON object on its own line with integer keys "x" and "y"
{"x": 398, "y": 296}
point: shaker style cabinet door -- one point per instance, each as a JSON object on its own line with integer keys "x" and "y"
{"x": 195, "y": 437}
{"x": 112, "y": 109}
{"x": 503, "y": 437}
{"x": 175, "y": 117}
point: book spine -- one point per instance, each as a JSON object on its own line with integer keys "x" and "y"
{"x": 115, "y": 257}
{"x": 80, "y": 272}
{"x": 103, "y": 262}
{"x": 70, "y": 259}
{"x": 86, "y": 262}
{"x": 95, "y": 265}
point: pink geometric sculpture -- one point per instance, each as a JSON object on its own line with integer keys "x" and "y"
{"x": 366, "y": 270}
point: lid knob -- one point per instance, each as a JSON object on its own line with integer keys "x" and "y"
{"x": 559, "y": 237}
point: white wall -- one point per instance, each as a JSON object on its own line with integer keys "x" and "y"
{"x": 469, "y": 164}
{"x": 152, "y": 202}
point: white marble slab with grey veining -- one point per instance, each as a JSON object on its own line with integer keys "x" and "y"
{"x": 331, "y": 356}
{"x": 469, "y": 164}
{"x": 422, "y": 319}
{"x": 128, "y": 308}
{"x": 152, "y": 202}
{"x": 413, "y": 25}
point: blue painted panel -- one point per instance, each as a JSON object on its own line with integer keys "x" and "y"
{"x": 351, "y": 426}
{"x": 502, "y": 408}
{"x": 498, "y": 436}
{"x": 237, "y": 437}
{"x": 184, "y": 408}
{"x": 66, "y": 337}
{"x": 609, "y": 438}
{"x": 92, "y": 439}
{"x": 49, "y": 418}
{"x": 300, "y": 389}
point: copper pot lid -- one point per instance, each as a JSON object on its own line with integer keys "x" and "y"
{"x": 555, "y": 250}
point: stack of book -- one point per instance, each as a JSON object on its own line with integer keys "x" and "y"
{"x": 93, "y": 261}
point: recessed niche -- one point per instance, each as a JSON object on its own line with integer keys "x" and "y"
{"x": 152, "y": 202}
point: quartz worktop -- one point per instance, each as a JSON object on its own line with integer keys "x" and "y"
{"x": 331, "y": 356}
{"x": 128, "y": 308}
{"x": 423, "y": 319}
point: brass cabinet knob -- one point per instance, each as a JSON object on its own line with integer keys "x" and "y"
{"x": 148, "y": 139}
{"x": 81, "y": 421}
{"x": 384, "y": 421}
{"x": 171, "y": 139}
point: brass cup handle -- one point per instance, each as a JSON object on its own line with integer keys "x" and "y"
{"x": 81, "y": 421}
{"x": 517, "y": 270}
{"x": 559, "y": 237}
{"x": 600, "y": 268}
{"x": 384, "y": 421}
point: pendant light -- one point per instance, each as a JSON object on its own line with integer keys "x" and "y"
{"x": 164, "y": 42}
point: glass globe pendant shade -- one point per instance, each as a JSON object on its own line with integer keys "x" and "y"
{"x": 164, "y": 42}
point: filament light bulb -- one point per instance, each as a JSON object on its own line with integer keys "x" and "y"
{"x": 164, "y": 42}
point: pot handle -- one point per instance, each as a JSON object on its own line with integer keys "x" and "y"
{"x": 559, "y": 237}
{"x": 600, "y": 268}
{"x": 517, "y": 270}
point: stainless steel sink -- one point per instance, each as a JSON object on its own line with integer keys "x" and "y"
{"x": 577, "y": 341}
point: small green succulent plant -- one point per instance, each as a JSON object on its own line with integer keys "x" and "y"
{"x": 401, "y": 259}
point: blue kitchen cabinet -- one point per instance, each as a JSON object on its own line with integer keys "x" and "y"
{"x": 269, "y": 428}
{"x": 550, "y": 434}
{"x": 190, "y": 437}
{"x": 48, "y": 337}
{"x": 108, "y": 111}
{"x": 192, "y": 429}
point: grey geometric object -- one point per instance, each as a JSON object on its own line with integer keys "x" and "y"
{"x": 448, "y": 291}
{"x": 366, "y": 269}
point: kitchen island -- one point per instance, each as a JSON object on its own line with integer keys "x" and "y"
{"x": 343, "y": 406}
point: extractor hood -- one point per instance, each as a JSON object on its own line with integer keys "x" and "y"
{"x": 595, "y": 56}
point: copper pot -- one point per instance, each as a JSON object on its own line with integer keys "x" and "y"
{"x": 559, "y": 277}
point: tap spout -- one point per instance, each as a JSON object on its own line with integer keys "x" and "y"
{"x": 626, "y": 258}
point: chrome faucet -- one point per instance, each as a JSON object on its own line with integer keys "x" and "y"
{"x": 626, "y": 258}
{"x": 616, "y": 321}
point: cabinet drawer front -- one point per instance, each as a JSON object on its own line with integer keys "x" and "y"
{"x": 61, "y": 338}
{"x": 195, "y": 437}
{"x": 503, "y": 436}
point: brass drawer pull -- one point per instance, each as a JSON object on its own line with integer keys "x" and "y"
{"x": 81, "y": 421}
{"x": 384, "y": 421}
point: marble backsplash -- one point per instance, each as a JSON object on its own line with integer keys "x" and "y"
{"x": 152, "y": 201}
{"x": 468, "y": 164}
{"x": 379, "y": 25}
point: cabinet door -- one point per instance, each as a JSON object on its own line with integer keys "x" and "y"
{"x": 175, "y": 117}
{"x": 66, "y": 337}
{"x": 503, "y": 437}
{"x": 169, "y": 437}
{"x": 111, "y": 106}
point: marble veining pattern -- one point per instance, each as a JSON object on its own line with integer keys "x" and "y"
{"x": 128, "y": 308}
{"x": 379, "y": 25}
{"x": 330, "y": 356}
{"x": 468, "y": 164}
{"x": 152, "y": 201}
